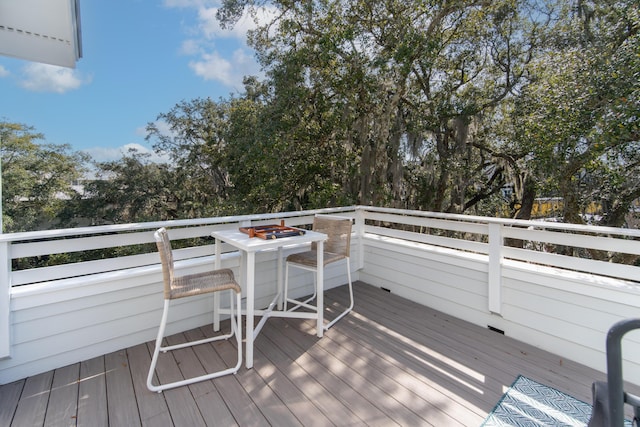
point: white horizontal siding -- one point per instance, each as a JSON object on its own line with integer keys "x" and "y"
{"x": 55, "y": 326}
{"x": 441, "y": 278}
{"x": 564, "y": 312}
{"x": 570, "y": 313}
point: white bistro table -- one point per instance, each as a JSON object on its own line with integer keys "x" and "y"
{"x": 248, "y": 247}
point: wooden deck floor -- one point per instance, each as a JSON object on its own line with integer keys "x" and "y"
{"x": 390, "y": 362}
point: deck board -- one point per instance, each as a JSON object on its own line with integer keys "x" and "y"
{"x": 121, "y": 398}
{"x": 333, "y": 384}
{"x": 175, "y": 366}
{"x": 306, "y": 391}
{"x": 390, "y": 362}
{"x": 92, "y": 391}
{"x": 276, "y": 377}
{"x": 32, "y": 406}
{"x": 9, "y": 398}
{"x": 152, "y": 406}
{"x": 404, "y": 386}
{"x": 63, "y": 400}
{"x": 496, "y": 357}
{"x": 211, "y": 405}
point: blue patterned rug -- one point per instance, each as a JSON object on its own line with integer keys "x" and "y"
{"x": 528, "y": 403}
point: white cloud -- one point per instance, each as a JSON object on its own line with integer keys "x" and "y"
{"x": 163, "y": 128}
{"x": 211, "y": 29}
{"x": 3, "y": 72}
{"x": 212, "y": 66}
{"x": 263, "y": 16}
{"x": 207, "y": 36}
{"x": 108, "y": 154}
{"x": 230, "y": 72}
{"x": 183, "y": 3}
{"x": 50, "y": 78}
{"x": 190, "y": 47}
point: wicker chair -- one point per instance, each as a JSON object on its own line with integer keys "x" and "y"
{"x": 336, "y": 248}
{"x": 186, "y": 286}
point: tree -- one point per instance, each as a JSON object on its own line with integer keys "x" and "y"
{"x": 281, "y": 153}
{"x": 403, "y": 86}
{"x": 579, "y": 117}
{"x": 421, "y": 104}
{"x": 194, "y": 141}
{"x": 132, "y": 189}
{"x": 36, "y": 178}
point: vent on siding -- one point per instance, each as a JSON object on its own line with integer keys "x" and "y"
{"x": 30, "y": 33}
{"x": 491, "y": 328}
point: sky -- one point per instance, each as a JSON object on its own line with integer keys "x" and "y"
{"x": 140, "y": 58}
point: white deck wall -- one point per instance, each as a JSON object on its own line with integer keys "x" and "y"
{"x": 565, "y": 312}
{"x": 67, "y": 320}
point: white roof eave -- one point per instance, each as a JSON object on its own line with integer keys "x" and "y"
{"x": 46, "y": 31}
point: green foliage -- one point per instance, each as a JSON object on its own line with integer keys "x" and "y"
{"x": 36, "y": 178}
{"x": 132, "y": 189}
{"x": 197, "y": 177}
{"x": 579, "y": 118}
{"x": 403, "y": 86}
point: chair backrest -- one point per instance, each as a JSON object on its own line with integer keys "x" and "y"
{"x": 166, "y": 257}
{"x": 338, "y": 230}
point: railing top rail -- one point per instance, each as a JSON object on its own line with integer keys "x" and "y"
{"x": 510, "y": 222}
{"x": 84, "y": 231}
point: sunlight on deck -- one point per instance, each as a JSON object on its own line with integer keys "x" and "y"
{"x": 445, "y": 365}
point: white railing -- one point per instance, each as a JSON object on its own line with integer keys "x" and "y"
{"x": 549, "y": 244}
{"x": 455, "y": 263}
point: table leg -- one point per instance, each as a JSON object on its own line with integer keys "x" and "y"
{"x": 320, "y": 286}
{"x": 279, "y": 280}
{"x": 216, "y": 296}
{"x": 250, "y": 282}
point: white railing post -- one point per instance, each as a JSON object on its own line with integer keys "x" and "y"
{"x": 496, "y": 243}
{"x": 359, "y": 228}
{"x": 5, "y": 301}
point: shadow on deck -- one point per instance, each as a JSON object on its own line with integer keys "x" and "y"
{"x": 389, "y": 362}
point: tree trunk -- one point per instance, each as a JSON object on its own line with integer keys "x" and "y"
{"x": 527, "y": 199}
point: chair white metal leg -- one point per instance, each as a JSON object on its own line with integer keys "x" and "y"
{"x": 305, "y": 303}
{"x": 297, "y": 303}
{"x": 344, "y": 313}
{"x": 335, "y": 248}
{"x": 236, "y": 329}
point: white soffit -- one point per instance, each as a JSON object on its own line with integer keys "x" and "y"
{"x": 45, "y": 31}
